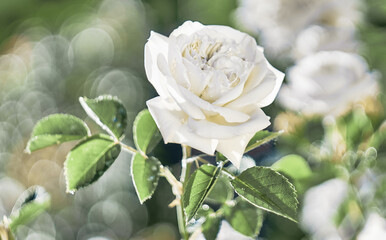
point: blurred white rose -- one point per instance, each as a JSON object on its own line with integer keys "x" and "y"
{"x": 278, "y": 22}
{"x": 213, "y": 82}
{"x": 374, "y": 229}
{"x": 320, "y": 205}
{"x": 327, "y": 83}
{"x": 318, "y": 38}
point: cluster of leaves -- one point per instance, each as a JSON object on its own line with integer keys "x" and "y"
{"x": 29, "y": 205}
{"x": 258, "y": 188}
{"x": 350, "y": 147}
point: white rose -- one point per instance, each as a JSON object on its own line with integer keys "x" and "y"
{"x": 278, "y": 22}
{"x": 327, "y": 83}
{"x": 324, "y": 38}
{"x": 374, "y": 229}
{"x": 213, "y": 82}
{"x": 320, "y": 205}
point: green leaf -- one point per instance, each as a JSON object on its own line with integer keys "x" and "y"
{"x": 211, "y": 226}
{"x": 56, "y": 129}
{"x": 293, "y": 166}
{"x": 198, "y": 187}
{"x": 261, "y": 138}
{"x": 268, "y": 190}
{"x": 220, "y": 157}
{"x": 204, "y": 211}
{"x": 30, "y": 204}
{"x": 378, "y": 139}
{"x": 145, "y": 132}
{"x": 108, "y": 112}
{"x": 145, "y": 173}
{"x": 88, "y": 160}
{"x": 355, "y": 127}
{"x": 221, "y": 192}
{"x": 244, "y": 217}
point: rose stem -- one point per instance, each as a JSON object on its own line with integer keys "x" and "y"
{"x": 175, "y": 184}
{"x": 185, "y": 171}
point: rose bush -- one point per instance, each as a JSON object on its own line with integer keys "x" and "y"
{"x": 327, "y": 83}
{"x": 212, "y": 82}
{"x": 318, "y": 38}
{"x": 278, "y": 23}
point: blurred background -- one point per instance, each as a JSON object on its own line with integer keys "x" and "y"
{"x": 53, "y": 52}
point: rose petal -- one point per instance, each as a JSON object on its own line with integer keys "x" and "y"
{"x": 256, "y": 75}
{"x": 155, "y": 46}
{"x": 231, "y": 116}
{"x": 236, "y": 91}
{"x": 206, "y": 129}
{"x": 187, "y": 28}
{"x": 174, "y": 91}
{"x": 198, "y": 80}
{"x": 231, "y": 33}
{"x": 279, "y": 77}
{"x": 233, "y": 148}
{"x": 256, "y": 95}
{"x": 176, "y": 67}
{"x": 170, "y": 121}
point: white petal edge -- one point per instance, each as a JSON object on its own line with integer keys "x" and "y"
{"x": 174, "y": 91}
{"x": 279, "y": 80}
{"x": 170, "y": 121}
{"x": 234, "y": 148}
{"x": 206, "y": 129}
{"x": 231, "y": 116}
{"x": 156, "y": 45}
{"x": 187, "y": 28}
{"x": 256, "y": 95}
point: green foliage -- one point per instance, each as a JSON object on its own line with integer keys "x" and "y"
{"x": 355, "y": 127}
{"x": 211, "y": 226}
{"x": 268, "y": 190}
{"x": 198, "y": 187}
{"x": 204, "y": 211}
{"x": 293, "y": 166}
{"x": 145, "y": 132}
{"x": 378, "y": 139}
{"x": 220, "y": 157}
{"x": 88, "y": 160}
{"x": 108, "y": 112}
{"x": 31, "y": 203}
{"x": 145, "y": 173}
{"x": 244, "y": 217}
{"x": 261, "y": 138}
{"x": 56, "y": 129}
{"x": 221, "y": 192}
{"x": 91, "y": 157}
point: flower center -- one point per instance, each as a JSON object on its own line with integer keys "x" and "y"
{"x": 200, "y": 53}
{"x": 220, "y": 62}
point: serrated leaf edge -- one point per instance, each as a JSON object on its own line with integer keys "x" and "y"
{"x": 135, "y": 186}
{"x": 261, "y": 215}
{"x": 207, "y": 191}
{"x": 72, "y": 191}
{"x": 95, "y": 117}
{"x": 44, "y": 201}
{"x": 136, "y": 120}
{"x": 28, "y": 150}
{"x": 294, "y": 194}
{"x": 264, "y": 141}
